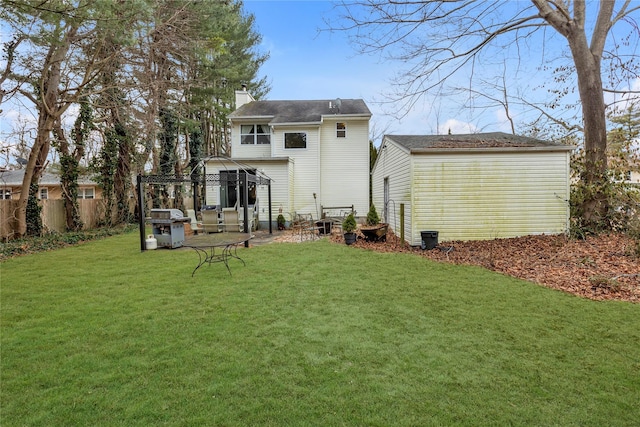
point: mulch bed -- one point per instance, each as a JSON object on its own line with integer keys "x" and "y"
{"x": 604, "y": 267}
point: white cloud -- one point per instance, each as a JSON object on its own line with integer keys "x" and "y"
{"x": 457, "y": 127}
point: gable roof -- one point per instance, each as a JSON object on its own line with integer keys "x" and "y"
{"x": 296, "y": 112}
{"x": 492, "y": 140}
{"x": 13, "y": 178}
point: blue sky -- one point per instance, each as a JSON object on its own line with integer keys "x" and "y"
{"x": 307, "y": 63}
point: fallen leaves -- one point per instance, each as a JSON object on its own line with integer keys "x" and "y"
{"x": 603, "y": 267}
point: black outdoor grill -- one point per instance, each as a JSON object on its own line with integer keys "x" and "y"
{"x": 168, "y": 227}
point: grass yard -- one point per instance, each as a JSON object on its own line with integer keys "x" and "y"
{"x": 310, "y": 334}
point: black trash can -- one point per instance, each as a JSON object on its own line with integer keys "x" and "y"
{"x": 429, "y": 240}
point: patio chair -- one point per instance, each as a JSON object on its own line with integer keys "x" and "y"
{"x": 210, "y": 221}
{"x": 195, "y": 225}
{"x": 230, "y": 220}
{"x": 307, "y": 226}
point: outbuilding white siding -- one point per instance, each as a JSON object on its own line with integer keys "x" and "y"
{"x": 473, "y": 194}
{"x": 393, "y": 164}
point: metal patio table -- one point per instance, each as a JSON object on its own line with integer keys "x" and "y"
{"x": 217, "y": 247}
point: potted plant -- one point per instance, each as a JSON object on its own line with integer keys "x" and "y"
{"x": 349, "y": 227}
{"x": 372, "y": 216}
{"x": 281, "y": 222}
{"x": 374, "y": 230}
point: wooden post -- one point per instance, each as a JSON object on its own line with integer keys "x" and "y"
{"x": 402, "y": 223}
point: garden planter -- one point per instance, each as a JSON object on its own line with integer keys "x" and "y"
{"x": 375, "y": 233}
{"x": 350, "y": 238}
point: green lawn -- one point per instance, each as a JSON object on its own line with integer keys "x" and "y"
{"x": 311, "y": 334}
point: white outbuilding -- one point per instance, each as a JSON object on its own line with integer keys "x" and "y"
{"x": 472, "y": 187}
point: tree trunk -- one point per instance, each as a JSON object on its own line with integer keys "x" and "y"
{"x": 69, "y": 163}
{"x": 594, "y": 175}
{"x": 49, "y": 110}
{"x": 587, "y": 60}
{"x": 35, "y": 166}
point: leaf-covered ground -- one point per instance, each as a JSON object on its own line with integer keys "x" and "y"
{"x": 604, "y": 267}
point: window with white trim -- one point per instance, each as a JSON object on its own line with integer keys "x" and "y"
{"x": 5, "y": 194}
{"x": 44, "y": 193}
{"x": 341, "y": 130}
{"x": 295, "y": 140}
{"x": 86, "y": 193}
{"x": 255, "y": 134}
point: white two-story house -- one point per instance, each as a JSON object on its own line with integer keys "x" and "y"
{"x": 316, "y": 153}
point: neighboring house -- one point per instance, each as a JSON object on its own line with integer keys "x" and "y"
{"x": 49, "y": 186}
{"x": 316, "y": 153}
{"x": 633, "y": 175}
{"x": 471, "y": 187}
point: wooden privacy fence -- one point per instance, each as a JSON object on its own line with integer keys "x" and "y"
{"x": 92, "y": 211}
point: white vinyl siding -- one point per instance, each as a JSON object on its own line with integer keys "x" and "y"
{"x": 345, "y": 166}
{"x": 278, "y": 172}
{"x": 306, "y": 167}
{"x": 490, "y": 195}
{"x": 394, "y": 163}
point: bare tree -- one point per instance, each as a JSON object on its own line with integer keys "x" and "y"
{"x": 9, "y": 55}
{"x": 439, "y": 38}
{"x": 55, "y": 71}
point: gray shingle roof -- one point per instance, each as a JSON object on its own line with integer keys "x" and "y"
{"x": 15, "y": 177}
{"x": 475, "y": 140}
{"x": 278, "y": 112}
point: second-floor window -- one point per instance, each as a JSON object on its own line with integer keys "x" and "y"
{"x": 5, "y": 194}
{"x": 341, "y": 130}
{"x": 44, "y": 193}
{"x": 295, "y": 140}
{"x": 255, "y": 134}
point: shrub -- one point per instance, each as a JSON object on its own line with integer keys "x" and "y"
{"x": 30, "y": 245}
{"x": 281, "y": 222}
{"x": 349, "y": 224}
{"x": 622, "y": 199}
{"x": 372, "y": 216}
